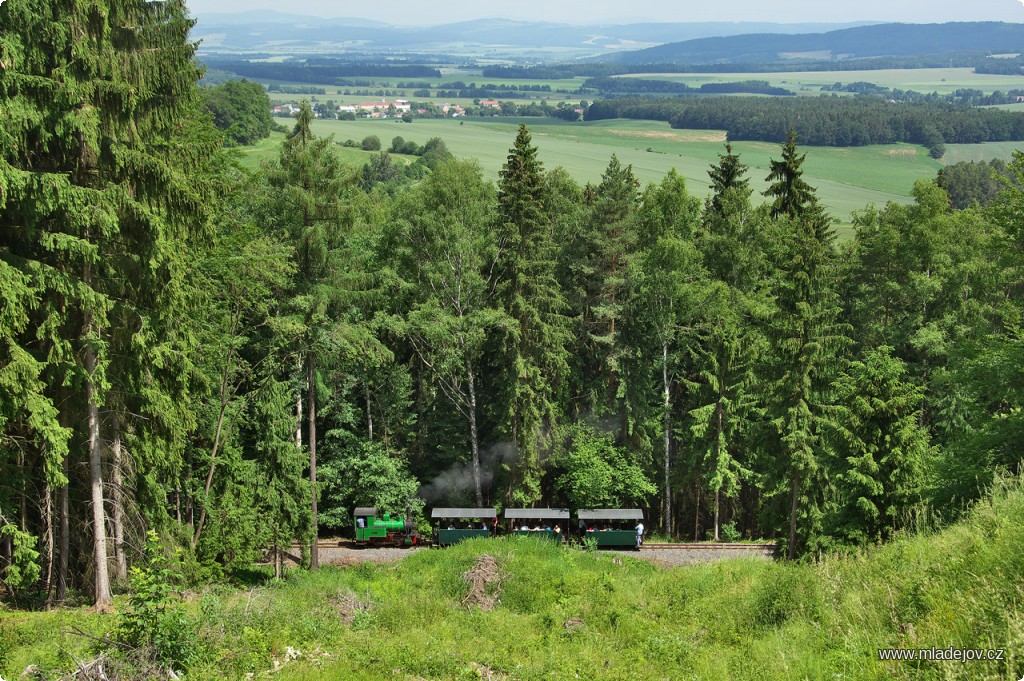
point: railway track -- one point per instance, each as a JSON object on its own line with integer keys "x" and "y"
{"x": 648, "y": 546}
{"x": 696, "y": 546}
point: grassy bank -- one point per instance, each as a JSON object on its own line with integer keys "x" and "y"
{"x": 566, "y": 614}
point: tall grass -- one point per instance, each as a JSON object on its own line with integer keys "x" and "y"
{"x": 568, "y": 614}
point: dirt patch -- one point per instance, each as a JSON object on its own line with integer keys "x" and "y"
{"x": 904, "y": 152}
{"x": 484, "y": 583}
{"x": 679, "y": 136}
{"x": 574, "y": 623}
{"x": 349, "y": 605}
{"x": 486, "y": 673}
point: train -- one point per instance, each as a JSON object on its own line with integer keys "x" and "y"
{"x": 611, "y": 528}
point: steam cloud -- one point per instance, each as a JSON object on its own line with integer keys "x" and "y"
{"x": 456, "y": 483}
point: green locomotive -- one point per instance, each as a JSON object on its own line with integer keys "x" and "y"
{"x": 386, "y": 530}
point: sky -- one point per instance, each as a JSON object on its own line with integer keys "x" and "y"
{"x": 429, "y": 12}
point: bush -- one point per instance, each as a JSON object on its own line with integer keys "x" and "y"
{"x": 153, "y": 630}
{"x": 370, "y": 143}
{"x": 730, "y": 533}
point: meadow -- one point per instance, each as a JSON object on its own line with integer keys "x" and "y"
{"x": 545, "y": 612}
{"x": 847, "y": 179}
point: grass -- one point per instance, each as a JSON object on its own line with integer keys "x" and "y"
{"x": 269, "y": 149}
{"x": 847, "y": 179}
{"x": 980, "y": 152}
{"x": 567, "y": 614}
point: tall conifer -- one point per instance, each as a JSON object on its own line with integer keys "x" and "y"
{"x": 97, "y": 194}
{"x": 534, "y": 358}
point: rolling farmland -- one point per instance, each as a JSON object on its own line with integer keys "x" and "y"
{"x": 847, "y": 179}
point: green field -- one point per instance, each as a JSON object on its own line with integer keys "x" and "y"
{"x": 270, "y": 148}
{"x": 943, "y": 81}
{"x": 980, "y": 152}
{"x": 847, "y": 179}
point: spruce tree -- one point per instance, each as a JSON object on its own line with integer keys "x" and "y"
{"x": 727, "y": 175}
{"x": 313, "y": 185}
{"x": 97, "y": 179}
{"x": 881, "y": 450}
{"x": 534, "y": 353}
{"x": 611, "y": 242}
{"x": 790, "y": 193}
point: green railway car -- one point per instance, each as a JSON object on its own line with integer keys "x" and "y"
{"x": 612, "y": 528}
{"x": 547, "y": 523}
{"x": 454, "y": 525}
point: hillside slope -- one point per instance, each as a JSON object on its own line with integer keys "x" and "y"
{"x": 881, "y": 40}
{"x": 566, "y": 614}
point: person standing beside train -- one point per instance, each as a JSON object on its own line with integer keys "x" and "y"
{"x": 639, "y": 533}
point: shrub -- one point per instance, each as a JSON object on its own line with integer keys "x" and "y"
{"x": 153, "y": 630}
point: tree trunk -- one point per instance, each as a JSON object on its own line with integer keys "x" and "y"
{"x": 6, "y": 558}
{"x": 65, "y": 537}
{"x": 103, "y": 598}
{"x": 667, "y": 510}
{"x": 369, "y": 413}
{"x": 277, "y": 554}
{"x": 314, "y": 552}
{"x": 216, "y": 444}
{"x": 795, "y": 486}
{"x": 474, "y": 443}
{"x": 696, "y": 514}
{"x": 718, "y": 506}
{"x": 298, "y": 413}
{"x": 718, "y": 457}
{"x": 117, "y": 499}
{"x": 48, "y": 522}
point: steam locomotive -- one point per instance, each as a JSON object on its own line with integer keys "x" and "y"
{"x": 386, "y": 530}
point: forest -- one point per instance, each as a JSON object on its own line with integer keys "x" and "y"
{"x": 824, "y": 121}
{"x": 233, "y": 360}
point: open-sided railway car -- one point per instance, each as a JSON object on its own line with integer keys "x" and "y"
{"x": 611, "y": 527}
{"x": 387, "y": 530}
{"x": 453, "y": 525}
{"x": 551, "y": 523}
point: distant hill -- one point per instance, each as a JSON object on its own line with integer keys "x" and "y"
{"x": 282, "y": 33}
{"x": 879, "y": 40}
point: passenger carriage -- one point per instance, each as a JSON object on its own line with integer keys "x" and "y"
{"x": 612, "y": 528}
{"x": 454, "y": 525}
{"x": 538, "y": 522}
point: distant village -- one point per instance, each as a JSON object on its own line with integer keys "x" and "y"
{"x": 386, "y": 109}
{"x": 404, "y": 109}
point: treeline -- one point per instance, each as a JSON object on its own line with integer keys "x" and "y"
{"x": 327, "y": 73}
{"x": 960, "y": 97}
{"x": 296, "y": 89}
{"x": 645, "y": 86}
{"x": 973, "y": 183}
{"x": 1002, "y": 67}
{"x": 980, "y": 62}
{"x": 824, "y": 121}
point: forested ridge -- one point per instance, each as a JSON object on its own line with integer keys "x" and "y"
{"x": 825, "y": 120}
{"x": 234, "y": 360}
